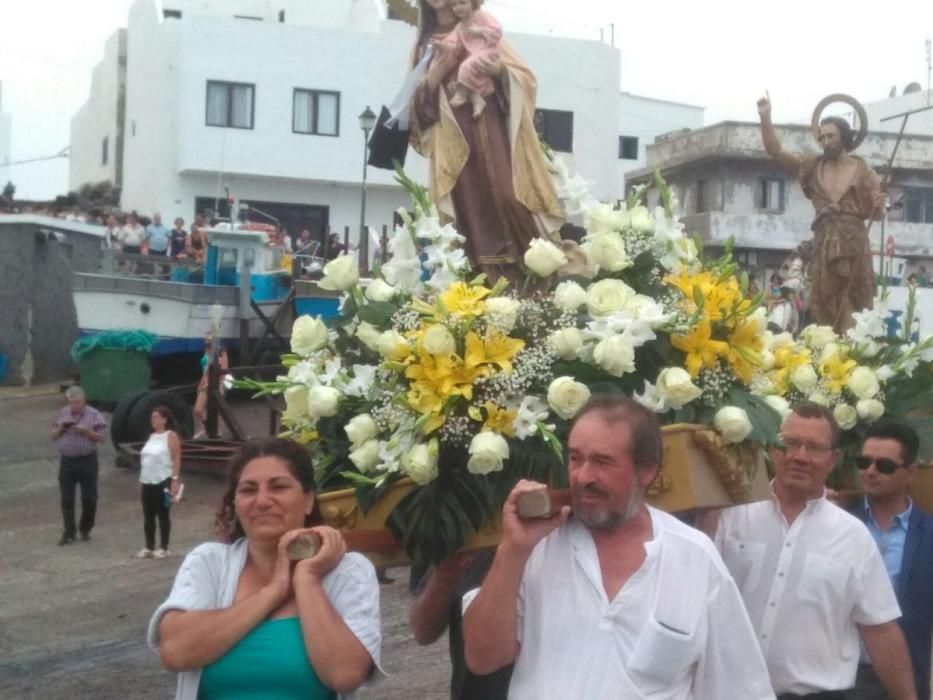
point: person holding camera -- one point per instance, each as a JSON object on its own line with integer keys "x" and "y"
{"x": 78, "y": 429}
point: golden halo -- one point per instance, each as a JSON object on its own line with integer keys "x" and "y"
{"x": 853, "y": 103}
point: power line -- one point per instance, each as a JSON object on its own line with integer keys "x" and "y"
{"x": 61, "y": 154}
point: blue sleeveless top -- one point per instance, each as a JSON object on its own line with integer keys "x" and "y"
{"x": 270, "y": 663}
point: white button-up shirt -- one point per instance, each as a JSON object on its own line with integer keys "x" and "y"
{"x": 677, "y": 630}
{"x": 806, "y": 586}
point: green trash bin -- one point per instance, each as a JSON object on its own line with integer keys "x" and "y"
{"x": 114, "y": 364}
{"x": 107, "y": 375}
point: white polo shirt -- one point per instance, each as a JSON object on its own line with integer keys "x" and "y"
{"x": 806, "y": 586}
{"x": 676, "y": 631}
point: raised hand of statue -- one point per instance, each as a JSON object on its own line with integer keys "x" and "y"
{"x": 442, "y": 63}
{"x": 764, "y": 106}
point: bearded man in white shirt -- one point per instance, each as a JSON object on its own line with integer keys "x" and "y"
{"x": 619, "y": 601}
{"x": 811, "y": 575}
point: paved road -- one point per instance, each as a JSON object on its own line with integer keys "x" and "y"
{"x": 73, "y": 619}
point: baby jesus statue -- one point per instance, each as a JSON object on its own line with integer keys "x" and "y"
{"x": 478, "y": 35}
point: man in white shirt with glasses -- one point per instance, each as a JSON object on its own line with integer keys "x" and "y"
{"x": 811, "y": 575}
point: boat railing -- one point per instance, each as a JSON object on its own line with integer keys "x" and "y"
{"x": 152, "y": 266}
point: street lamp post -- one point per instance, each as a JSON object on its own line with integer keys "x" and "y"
{"x": 367, "y": 122}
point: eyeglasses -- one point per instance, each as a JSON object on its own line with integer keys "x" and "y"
{"x": 789, "y": 445}
{"x": 883, "y": 465}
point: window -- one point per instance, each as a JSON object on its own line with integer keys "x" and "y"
{"x": 771, "y": 194}
{"x": 105, "y": 150}
{"x": 628, "y": 147}
{"x": 255, "y": 19}
{"x": 555, "y": 127}
{"x": 918, "y": 206}
{"x": 316, "y": 112}
{"x": 171, "y": 14}
{"x": 230, "y": 104}
{"x": 282, "y": 16}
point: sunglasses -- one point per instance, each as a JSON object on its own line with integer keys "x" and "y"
{"x": 884, "y": 465}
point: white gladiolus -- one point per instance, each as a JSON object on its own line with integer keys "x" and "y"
{"x": 732, "y": 423}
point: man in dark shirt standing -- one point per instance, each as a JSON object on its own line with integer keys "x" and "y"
{"x": 78, "y": 429}
{"x": 438, "y": 608}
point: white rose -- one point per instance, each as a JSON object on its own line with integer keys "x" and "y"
{"x": 640, "y": 219}
{"x": 569, "y": 296}
{"x": 870, "y": 409}
{"x": 607, "y": 251}
{"x": 845, "y": 416}
{"x": 308, "y": 334}
{"x": 732, "y": 423}
{"x": 816, "y": 337}
{"x": 779, "y": 404}
{"x": 438, "y": 340}
{"x": 323, "y": 401}
{"x": 340, "y": 274}
{"x": 829, "y": 351}
{"x": 566, "y": 342}
{"x": 863, "y": 383}
{"x": 615, "y": 354}
{"x": 804, "y": 378}
{"x": 544, "y": 258}
{"x": 502, "y": 313}
{"x": 366, "y": 456}
{"x": 360, "y": 429}
{"x": 420, "y": 462}
{"x": 392, "y": 344}
{"x": 675, "y": 387}
{"x": 296, "y": 403}
{"x": 369, "y": 335}
{"x": 566, "y": 396}
{"x": 608, "y": 296}
{"x": 379, "y": 290}
{"x": 487, "y": 452}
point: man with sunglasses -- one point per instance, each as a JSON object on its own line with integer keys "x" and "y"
{"x": 904, "y": 535}
{"x": 811, "y": 575}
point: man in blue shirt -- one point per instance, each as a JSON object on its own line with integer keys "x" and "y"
{"x": 157, "y": 236}
{"x": 904, "y": 533}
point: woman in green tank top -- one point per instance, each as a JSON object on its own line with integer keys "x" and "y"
{"x": 243, "y": 621}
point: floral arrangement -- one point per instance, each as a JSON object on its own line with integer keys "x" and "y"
{"x": 434, "y": 374}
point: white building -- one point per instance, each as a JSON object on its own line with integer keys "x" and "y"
{"x": 263, "y": 98}
{"x": 643, "y": 119}
{"x": 6, "y": 129}
{"x": 728, "y": 186}
{"x": 913, "y": 97}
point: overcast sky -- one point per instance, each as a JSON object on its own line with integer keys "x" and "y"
{"x": 720, "y": 54}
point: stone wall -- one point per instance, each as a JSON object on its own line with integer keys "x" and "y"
{"x": 38, "y": 323}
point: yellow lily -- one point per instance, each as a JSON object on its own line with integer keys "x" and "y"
{"x": 460, "y": 298}
{"x": 836, "y": 370}
{"x": 702, "y": 351}
{"x": 499, "y": 420}
{"x": 745, "y": 346}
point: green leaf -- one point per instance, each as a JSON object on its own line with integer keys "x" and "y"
{"x": 378, "y": 313}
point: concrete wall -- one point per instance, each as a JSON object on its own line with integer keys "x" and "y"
{"x": 647, "y": 118}
{"x": 98, "y": 119}
{"x": 38, "y": 323}
{"x": 921, "y": 123}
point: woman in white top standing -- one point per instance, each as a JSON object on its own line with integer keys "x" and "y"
{"x": 160, "y": 468}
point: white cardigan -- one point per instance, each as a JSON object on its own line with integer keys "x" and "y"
{"x": 208, "y": 578}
